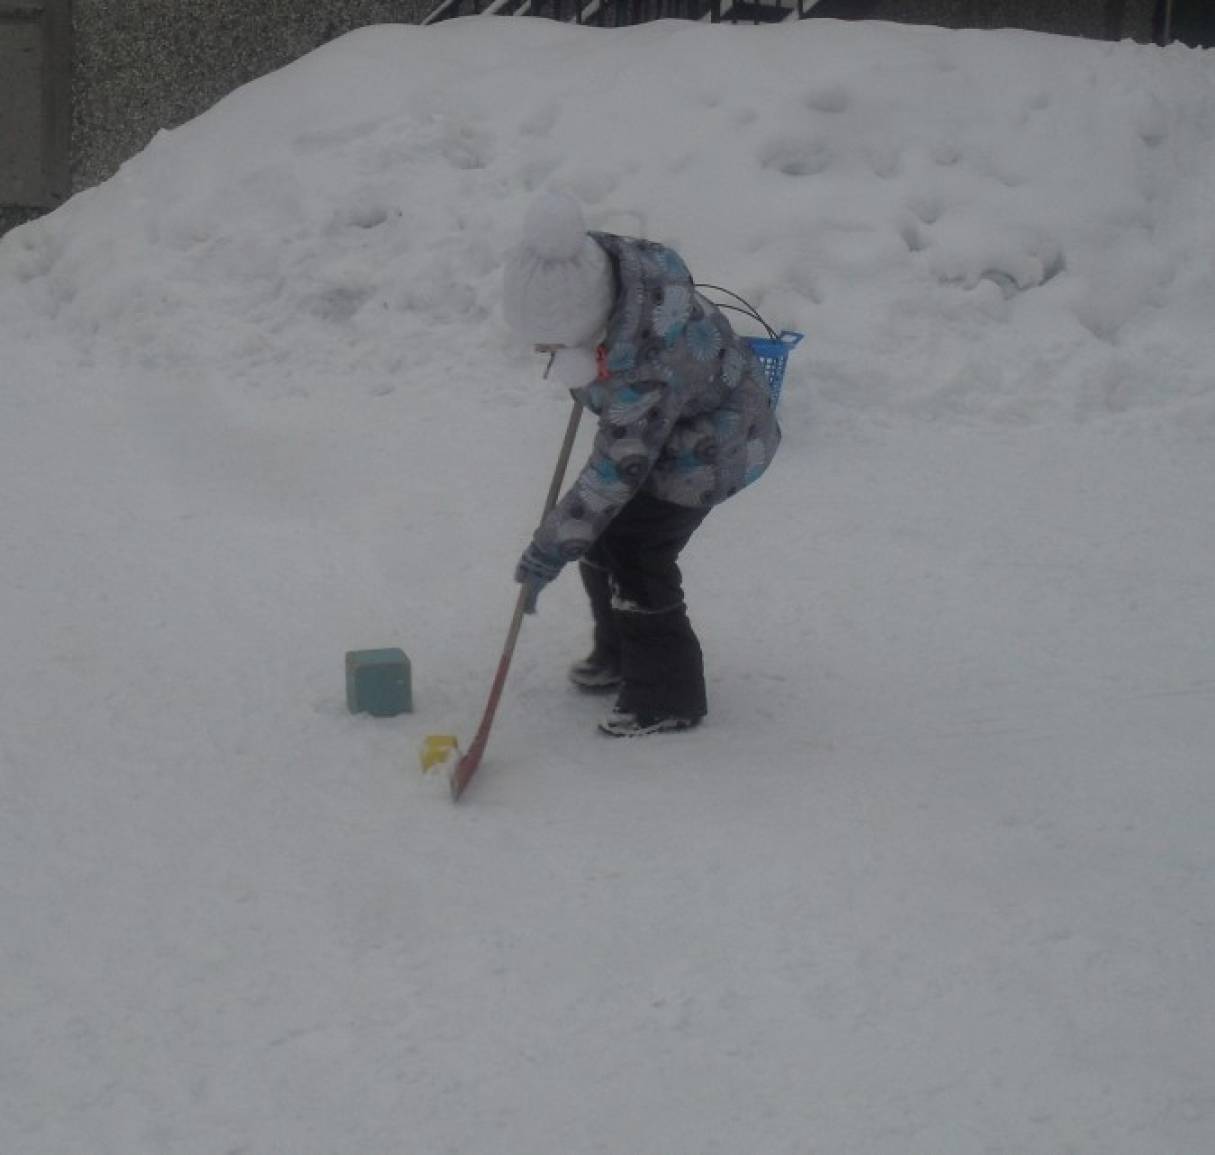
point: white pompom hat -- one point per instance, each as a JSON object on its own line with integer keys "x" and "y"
{"x": 558, "y": 286}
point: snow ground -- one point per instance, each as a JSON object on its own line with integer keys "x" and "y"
{"x": 937, "y": 874}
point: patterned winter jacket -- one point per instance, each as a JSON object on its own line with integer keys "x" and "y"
{"x": 684, "y": 411}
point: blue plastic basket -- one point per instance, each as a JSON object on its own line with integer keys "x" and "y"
{"x": 773, "y": 350}
{"x": 773, "y": 354}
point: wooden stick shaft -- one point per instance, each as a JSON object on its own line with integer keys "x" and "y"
{"x": 468, "y": 764}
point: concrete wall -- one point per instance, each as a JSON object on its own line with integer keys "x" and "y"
{"x": 85, "y": 84}
{"x": 143, "y": 65}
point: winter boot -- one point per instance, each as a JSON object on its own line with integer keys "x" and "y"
{"x": 597, "y": 672}
{"x": 623, "y": 724}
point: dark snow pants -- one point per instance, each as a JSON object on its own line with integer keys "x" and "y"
{"x": 636, "y": 593}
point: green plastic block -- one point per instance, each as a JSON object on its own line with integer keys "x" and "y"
{"x": 378, "y": 683}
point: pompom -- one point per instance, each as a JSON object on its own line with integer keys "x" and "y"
{"x": 553, "y": 227}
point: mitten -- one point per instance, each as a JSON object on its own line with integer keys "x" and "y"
{"x": 535, "y": 570}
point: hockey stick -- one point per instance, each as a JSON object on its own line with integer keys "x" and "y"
{"x": 469, "y": 762}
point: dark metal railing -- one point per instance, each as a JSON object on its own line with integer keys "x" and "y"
{"x": 620, "y": 13}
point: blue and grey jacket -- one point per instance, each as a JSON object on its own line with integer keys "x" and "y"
{"x": 684, "y": 410}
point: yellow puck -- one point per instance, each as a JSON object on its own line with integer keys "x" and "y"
{"x": 436, "y": 749}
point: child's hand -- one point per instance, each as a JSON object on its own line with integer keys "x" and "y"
{"x": 535, "y": 570}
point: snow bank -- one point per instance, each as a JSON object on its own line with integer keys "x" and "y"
{"x": 1022, "y": 218}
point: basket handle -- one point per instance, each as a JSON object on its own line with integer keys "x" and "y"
{"x": 750, "y": 310}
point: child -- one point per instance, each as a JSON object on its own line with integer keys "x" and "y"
{"x": 685, "y": 421}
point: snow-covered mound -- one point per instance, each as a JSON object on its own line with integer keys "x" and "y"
{"x": 935, "y": 875}
{"x": 1023, "y": 219}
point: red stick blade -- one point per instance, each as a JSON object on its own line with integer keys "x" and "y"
{"x": 465, "y": 769}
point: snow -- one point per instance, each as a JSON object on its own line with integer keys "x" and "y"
{"x": 935, "y": 876}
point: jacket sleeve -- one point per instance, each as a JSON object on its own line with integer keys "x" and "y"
{"x": 636, "y": 419}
